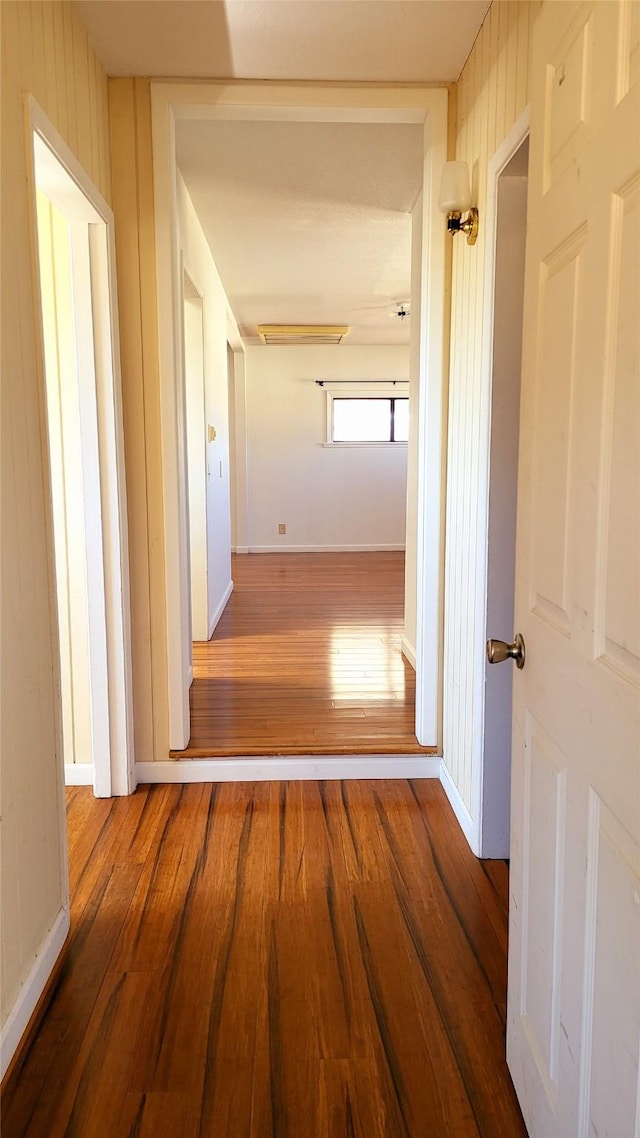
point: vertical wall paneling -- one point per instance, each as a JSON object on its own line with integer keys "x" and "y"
{"x": 492, "y": 93}
{"x": 41, "y": 43}
{"x": 133, "y": 207}
{"x": 149, "y": 334}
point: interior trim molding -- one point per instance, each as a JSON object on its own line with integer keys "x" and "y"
{"x": 479, "y": 556}
{"x": 299, "y": 102}
{"x": 467, "y": 824}
{"x": 78, "y": 774}
{"x": 326, "y": 548}
{"x": 219, "y": 611}
{"x": 111, "y": 680}
{"x": 15, "y": 1030}
{"x": 295, "y": 767}
{"x": 409, "y": 651}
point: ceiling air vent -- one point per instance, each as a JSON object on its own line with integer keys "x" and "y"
{"x": 302, "y": 333}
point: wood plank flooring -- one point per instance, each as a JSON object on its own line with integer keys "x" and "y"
{"x": 274, "y": 960}
{"x": 306, "y": 659}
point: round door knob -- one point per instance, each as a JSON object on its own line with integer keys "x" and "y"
{"x": 499, "y": 650}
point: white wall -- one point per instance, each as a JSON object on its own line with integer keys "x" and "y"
{"x": 197, "y": 458}
{"x": 238, "y": 426}
{"x": 411, "y": 558}
{"x": 199, "y": 264}
{"x": 328, "y": 497}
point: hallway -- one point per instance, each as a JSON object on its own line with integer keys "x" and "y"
{"x": 311, "y": 960}
{"x": 306, "y": 659}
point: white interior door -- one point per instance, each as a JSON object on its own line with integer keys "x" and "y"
{"x": 574, "y": 967}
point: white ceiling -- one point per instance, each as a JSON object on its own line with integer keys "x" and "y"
{"x": 410, "y": 41}
{"x": 308, "y": 222}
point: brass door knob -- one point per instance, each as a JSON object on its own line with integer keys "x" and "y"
{"x": 499, "y": 650}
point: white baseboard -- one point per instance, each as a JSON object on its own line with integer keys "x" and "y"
{"x": 17, "y": 1021}
{"x": 78, "y": 774}
{"x": 326, "y": 548}
{"x": 467, "y": 824}
{"x": 409, "y": 651}
{"x": 265, "y": 769}
{"x": 220, "y": 609}
{"x": 239, "y": 548}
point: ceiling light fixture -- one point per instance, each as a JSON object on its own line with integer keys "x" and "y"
{"x": 455, "y": 199}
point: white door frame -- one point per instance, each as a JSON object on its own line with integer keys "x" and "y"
{"x": 271, "y": 102}
{"x": 472, "y": 824}
{"x": 107, "y": 544}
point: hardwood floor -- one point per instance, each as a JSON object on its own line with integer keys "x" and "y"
{"x": 306, "y": 660}
{"x": 274, "y": 960}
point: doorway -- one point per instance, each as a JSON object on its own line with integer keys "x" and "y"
{"x": 84, "y": 439}
{"x": 509, "y": 180}
{"x": 325, "y": 436}
{"x": 428, "y": 108}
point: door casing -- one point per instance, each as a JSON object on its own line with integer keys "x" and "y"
{"x": 68, "y": 186}
{"x": 428, "y": 107}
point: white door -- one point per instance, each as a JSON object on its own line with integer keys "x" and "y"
{"x": 574, "y": 964}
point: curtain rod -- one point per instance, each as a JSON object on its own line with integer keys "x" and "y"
{"x": 343, "y": 382}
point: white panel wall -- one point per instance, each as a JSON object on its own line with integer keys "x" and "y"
{"x": 492, "y": 93}
{"x": 328, "y": 497}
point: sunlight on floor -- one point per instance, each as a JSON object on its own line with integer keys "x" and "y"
{"x": 366, "y": 666}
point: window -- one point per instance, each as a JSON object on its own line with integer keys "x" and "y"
{"x": 367, "y": 418}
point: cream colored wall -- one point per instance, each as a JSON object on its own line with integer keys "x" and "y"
{"x": 132, "y": 202}
{"x": 492, "y": 93}
{"x": 45, "y": 51}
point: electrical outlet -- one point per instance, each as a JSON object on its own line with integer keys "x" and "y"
{"x": 282, "y": 527}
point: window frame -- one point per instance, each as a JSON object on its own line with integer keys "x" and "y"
{"x": 393, "y": 389}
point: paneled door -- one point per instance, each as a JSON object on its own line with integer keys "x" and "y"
{"x": 574, "y": 968}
